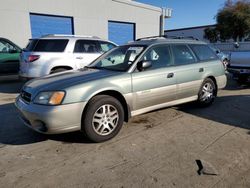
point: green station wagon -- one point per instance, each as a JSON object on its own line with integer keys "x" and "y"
{"x": 129, "y": 80}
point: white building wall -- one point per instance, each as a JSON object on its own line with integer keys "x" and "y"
{"x": 90, "y": 16}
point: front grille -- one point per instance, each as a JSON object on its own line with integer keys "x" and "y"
{"x": 25, "y": 96}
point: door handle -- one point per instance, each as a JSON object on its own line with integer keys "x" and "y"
{"x": 79, "y": 57}
{"x": 201, "y": 70}
{"x": 170, "y": 75}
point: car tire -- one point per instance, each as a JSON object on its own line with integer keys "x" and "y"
{"x": 207, "y": 93}
{"x": 103, "y": 118}
{"x": 58, "y": 70}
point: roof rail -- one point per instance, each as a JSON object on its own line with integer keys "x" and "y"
{"x": 62, "y": 35}
{"x": 181, "y": 37}
{"x": 168, "y": 37}
{"x": 151, "y": 37}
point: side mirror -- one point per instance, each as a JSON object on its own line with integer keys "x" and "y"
{"x": 236, "y": 45}
{"x": 143, "y": 65}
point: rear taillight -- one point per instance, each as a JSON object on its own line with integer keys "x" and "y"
{"x": 33, "y": 58}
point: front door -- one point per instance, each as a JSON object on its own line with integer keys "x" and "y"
{"x": 157, "y": 84}
{"x": 85, "y": 52}
{"x": 188, "y": 71}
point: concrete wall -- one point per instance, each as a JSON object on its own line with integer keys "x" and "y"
{"x": 90, "y": 16}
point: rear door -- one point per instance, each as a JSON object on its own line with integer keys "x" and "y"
{"x": 157, "y": 84}
{"x": 192, "y": 62}
{"x": 188, "y": 71}
{"x": 85, "y": 52}
{"x": 9, "y": 57}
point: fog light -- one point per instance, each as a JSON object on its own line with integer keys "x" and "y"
{"x": 40, "y": 126}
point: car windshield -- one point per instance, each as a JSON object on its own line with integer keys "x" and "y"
{"x": 118, "y": 59}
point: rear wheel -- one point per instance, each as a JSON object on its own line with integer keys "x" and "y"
{"x": 103, "y": 118}
{"x": 207, "y": 93}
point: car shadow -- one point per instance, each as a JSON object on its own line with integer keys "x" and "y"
{"x": 232, "y": 84}
{"x": 11, "y": 86}
{"x": 228, "y": 110}
{"x": 14, "y": 132}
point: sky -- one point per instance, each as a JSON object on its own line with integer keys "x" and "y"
{"x": 189, "y": 13}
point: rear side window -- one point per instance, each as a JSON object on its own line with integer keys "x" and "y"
{"x": 106, "y": 46}
{"x": 48, "y": 45}
{"x": 86, "y": 46}
{"x": 182, "y": 55}
{"x": 203, "y": 52}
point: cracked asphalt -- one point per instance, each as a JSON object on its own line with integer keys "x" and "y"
{"x": 157, "y": 149}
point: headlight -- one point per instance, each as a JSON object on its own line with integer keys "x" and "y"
{"x": 50, "y": 98}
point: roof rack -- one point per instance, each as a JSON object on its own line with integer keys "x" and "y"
{"x": 62, "y": 35}
{"x": 167, "y": 37}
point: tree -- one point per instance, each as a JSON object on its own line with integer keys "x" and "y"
{"x": 233, "y": 20}
{"x": 211, "y": 34}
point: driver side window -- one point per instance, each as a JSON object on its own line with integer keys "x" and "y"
{"x": 159, "y": 56}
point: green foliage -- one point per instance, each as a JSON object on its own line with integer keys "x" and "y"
{"x": 233, "y": 20}
{"x": 211, "y": 34}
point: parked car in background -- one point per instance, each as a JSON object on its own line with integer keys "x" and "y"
{"x": 56, "y": 53}
{"x": 223, "y": 57}
{"x": 239, "y": 65}
{"x": 9, "y": 57}
{"x": 129, "y": 80}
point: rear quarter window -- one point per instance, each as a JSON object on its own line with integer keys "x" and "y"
{"x": 203, "y": 52}
{"x": 47, "y": 45}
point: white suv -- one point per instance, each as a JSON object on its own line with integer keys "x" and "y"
{"x": 56, "y": 53}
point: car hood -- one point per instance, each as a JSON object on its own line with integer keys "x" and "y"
{"x": 60, "y": 81}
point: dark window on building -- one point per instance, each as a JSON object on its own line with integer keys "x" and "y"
{"x": 182, "y": 55}
{"x": 203, "y": 52}
{"x": 121, "y": 32}
{"x": 42, "y": 24}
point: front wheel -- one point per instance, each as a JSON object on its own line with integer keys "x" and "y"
{"x": 57, "y": 70}
{"x": 103, "y": 118}
{"x": 207, "y": 93}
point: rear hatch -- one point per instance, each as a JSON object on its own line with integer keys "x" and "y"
{"x": 40, "y": 51}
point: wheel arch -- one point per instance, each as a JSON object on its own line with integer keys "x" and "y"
{"x": 61, "y": 67}
{"x": 117, "y": 95}
{"x": 214, "y": 80}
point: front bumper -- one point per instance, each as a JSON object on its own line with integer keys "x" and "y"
{"x": 51, "y": 119}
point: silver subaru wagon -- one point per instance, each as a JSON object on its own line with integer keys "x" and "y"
{"x": 129, "y": 80}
